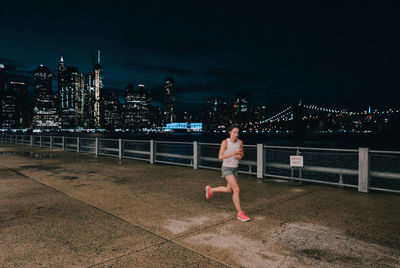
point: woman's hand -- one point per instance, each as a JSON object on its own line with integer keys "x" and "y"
{"x": 238, "y": 151}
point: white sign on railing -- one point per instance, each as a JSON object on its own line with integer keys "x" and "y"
{"x": 296, "y": 161}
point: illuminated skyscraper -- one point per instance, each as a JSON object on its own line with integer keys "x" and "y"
{"x": 216, "y": 113}
{"x": 2, "y": 82}
{"x": 2, "y": 79}
{"x": 98, "y": 86}
{"x": 45, "y": 110}
{"x": 89, "y": 101}
{"x": 137, "y": 108}
{"x": 169, "y": 100}
{"x": 112, "y": 112}
{"x": 17, "y": 92}
{"x": 70, "y": 95}
{"x": 62, "y": 85}
{"x": 79, "y": 99}
{"x": 260, "y": 113}
{"x": 243, "y": 108}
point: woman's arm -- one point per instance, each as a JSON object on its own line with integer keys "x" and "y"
{"x": 240, "y": 156}
{"x": 222, "y": 150}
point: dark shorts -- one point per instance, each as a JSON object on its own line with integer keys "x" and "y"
{"x": 225, "y": 171}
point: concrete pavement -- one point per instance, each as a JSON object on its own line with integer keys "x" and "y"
{"x": 66, "y": 209}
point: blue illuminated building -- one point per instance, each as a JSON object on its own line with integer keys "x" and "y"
{"x": 178, "y": 126}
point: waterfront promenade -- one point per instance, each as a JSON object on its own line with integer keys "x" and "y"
{"x": 67, "y": 209}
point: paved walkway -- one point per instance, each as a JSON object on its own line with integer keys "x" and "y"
{"x": 66, "y": 209}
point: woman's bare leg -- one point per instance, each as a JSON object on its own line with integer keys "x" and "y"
{"x": 223, "y": 189}
{"x": 236, "y": 191}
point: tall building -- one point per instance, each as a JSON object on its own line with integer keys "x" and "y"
{"x": 89, "y": 101}
{"x": 2, "y": 83}
{"x": 8, "y": 111}
{"x": 45, "y": 113}
{"x": 71, "y": 96}
{"x": 19, "y": 92}
{"x": 2, "y": 79}
{"x": 62, "y": 85}
{"x": 217, "y": 113}
{"x": 71, "y": 92}
{"x": 129, "y": 107}
{"x": 260, "y": 113}
{"x": 137, "y": 108}
{"x": 98, "y": 86}
{"x": 169, "y": 100}
{"x": 243, "y": 108}
{"x": 112, "y": 112}
{"x": 157, "y": 118}
{"x": 80, "y": 99}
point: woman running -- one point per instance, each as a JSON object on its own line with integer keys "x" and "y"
{"x": 230, "y": 152}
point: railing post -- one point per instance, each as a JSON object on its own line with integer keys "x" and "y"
{"x": 31, "y": 140}
{"x": 96, "y": 152}
{"x": 196, "y": 155}
{"x": 78, "y": 145}
{"x": 152, "y": 151}
{"x": 63, "y": 143}
{"x": 120, "y": 148}
{"x": 40, "y": 141}
{"x": 51, "y": 142}
{"x": 260, "y": 161}
{"x": 363, "y": 170}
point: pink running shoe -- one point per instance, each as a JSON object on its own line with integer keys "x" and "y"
{"x": 208, "y": 192}
{"x": 242, "y": 216}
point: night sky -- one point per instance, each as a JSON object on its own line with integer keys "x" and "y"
{"x": 339, "y": 55}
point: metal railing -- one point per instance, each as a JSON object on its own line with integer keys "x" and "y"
{"x": 361, "y": 168}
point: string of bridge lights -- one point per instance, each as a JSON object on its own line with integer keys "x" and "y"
{"x": 288, "y": 113}
{"x": 390, "y": 111}
{"x": 322, "y": 109}
{"x": 279, "y": 115}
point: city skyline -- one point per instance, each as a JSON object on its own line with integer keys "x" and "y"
{"x": 337, "y": 56}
